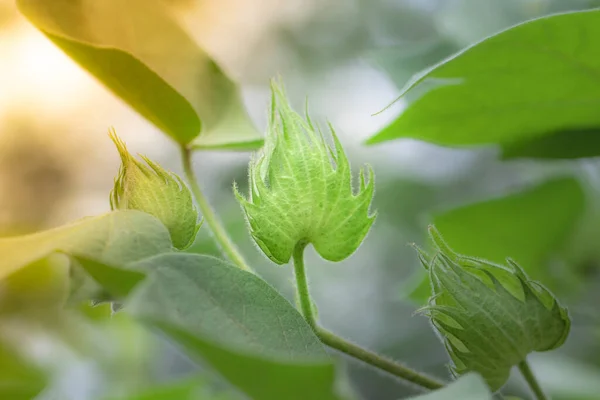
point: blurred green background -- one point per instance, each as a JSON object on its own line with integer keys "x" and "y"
{"x": 350, "y": 59}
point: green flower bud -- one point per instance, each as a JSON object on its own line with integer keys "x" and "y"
{"x": 301, "y": 190}
{"x": 490, "y": 317}
{"x": 160, "y": 193}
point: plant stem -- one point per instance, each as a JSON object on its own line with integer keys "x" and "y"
{"x": 376, "y": 360}
{"x": 332, "y": 340}
{"x": 219, "y": 233}
{"x": 306, "y": 305}
{"x": 531, "y": 380}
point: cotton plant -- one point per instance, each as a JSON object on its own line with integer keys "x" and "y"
{"x": 490, "y": 317}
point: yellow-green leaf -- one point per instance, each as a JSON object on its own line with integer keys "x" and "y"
{"x": 39, "y": 287}
{"x": 19, "y": 379}
{"x": 140, "y": 53}
{"x": 116, "y": 238}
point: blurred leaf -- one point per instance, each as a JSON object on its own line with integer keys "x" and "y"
{"x": 416, "y": 287}
{"x": 258, "y": 376}
{"x": 83, "y": 288}
{"x": 527, "y": 226}
{"x": 115, "y": 238}
{"x": 117, "y": 281}
{"x": 237, "y": 323}
{"x": 528, "y": 81}
{"x": 409, "y": 40}
{"x": 98, "y": 312}
{"x": 468, "y": 387}
{"x": 185, "y": 391}
{"x": 567, "y": 379}
{"x": 402, "y": 61}
{"x": 189, "y": 389}
{"x": 574, "y": 143}
{"x": 39, "y": 287}
{"x": 144, "y": 57}
{"x": 18, "y": 379}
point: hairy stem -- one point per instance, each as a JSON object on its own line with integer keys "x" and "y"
{"x": 306, "y": 305}
{"x": 219, "y": 233}
{"x": 336, "y": 342}
{"x": 531, "y": 380}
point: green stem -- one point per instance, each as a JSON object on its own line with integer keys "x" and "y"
{"x": 306, "y": 305}
{"x": 531, "y": 380}
{"x": 345, "y": 346}
{"x": 219, "y": 232}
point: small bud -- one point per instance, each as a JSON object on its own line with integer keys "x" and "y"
{"x": 160, "y": 193}
{"x": 490, "y": 317}
{"x": 301, "y": 190}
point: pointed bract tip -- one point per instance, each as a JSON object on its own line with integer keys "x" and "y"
{"x": 149, "y": 188}
{"x": 284, "y": 205}
{"x": 439, "y": 241}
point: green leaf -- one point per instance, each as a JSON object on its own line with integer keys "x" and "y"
{"x": 489, "y": 316}
{"x": 160, "y": 193}
{"x": 574, "y": 143}
{"x": 19, "y": 380}
{"x": 527, "y": 226}
{"x": 39, "y": 287}
{"x": 95, "y": 312}
{"x": 212, "y": 298}
{"x": 237, "y": 323}
{"x": 118, "y": 282}
{"x": 195, "y": 388}
{"x": 532, "y": 80}
{"x": 301, "y": 190}
{"x": 144, "y": 57}
{"x": 116, "y": 238}
{"x": 467, "y": 387}
{"x": 184, "y": 391}
{"x": 261, "y": 377}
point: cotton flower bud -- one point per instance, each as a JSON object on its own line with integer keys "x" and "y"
{"x": 160, "y": 193}
{"x": 301, "y": 190}
{"x": 490, "y": 317}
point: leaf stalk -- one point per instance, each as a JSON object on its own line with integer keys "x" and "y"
{"x": 531, "y": 380}
{"x": 212, "y": 220}
{"x": 353, "y": 350}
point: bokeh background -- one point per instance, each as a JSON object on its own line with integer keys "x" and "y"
{"x": 350, "y": 58}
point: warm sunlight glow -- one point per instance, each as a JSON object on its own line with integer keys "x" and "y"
{"x": 35, "y": 74}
